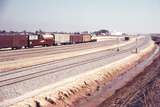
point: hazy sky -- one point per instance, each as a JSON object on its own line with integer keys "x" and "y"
{"x": 140, "y": 16}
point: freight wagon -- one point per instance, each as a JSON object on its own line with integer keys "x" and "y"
{"x": 14, "y": 41}
{"x": 17, "y": 41}
{"x": 62, "y": 39}
{"x": 86, "y": 37}
{"x": 80, "y": 38}
{"x": 41, "y": 40}
{"x": 126, "y": 38}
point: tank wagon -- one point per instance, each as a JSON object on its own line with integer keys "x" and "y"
{"x": 80, "y": 38}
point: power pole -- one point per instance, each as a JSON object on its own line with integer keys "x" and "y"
{"x": 136, "y": 43}
{"x": 117, "y": 43}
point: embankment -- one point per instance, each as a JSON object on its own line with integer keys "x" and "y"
{"x": 142, "y": 91}
{"x": 92, "y": 88}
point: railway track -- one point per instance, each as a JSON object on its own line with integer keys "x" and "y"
{"x": 48, "y": 51}
{"x": 16, "y": 79}
{"x": 51, "y": 62}
{"x": 53, "y": 47}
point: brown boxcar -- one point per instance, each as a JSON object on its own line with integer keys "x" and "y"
{"x": 126, "y": 38}
{"x": 80, "y": 38}
{"x": 76, "y": 38}
{"x": 13, "y": 41}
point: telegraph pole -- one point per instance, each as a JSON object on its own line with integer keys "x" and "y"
{"x": 117, "y": 43}
{"x": 136, "y": 43}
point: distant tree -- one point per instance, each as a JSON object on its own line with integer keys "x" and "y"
{"x": 12, "y": 31}
{"x": 36, "y": 32}
{"x": 85, "y": 32}
{"x": 103, "y": 31}
{"x": 76, "y": 33}
{"x": 124, "y": 34}
{"x": 25, "y": 32}
{"x": 3, "y": 31}
{"x": 40, "y": 31}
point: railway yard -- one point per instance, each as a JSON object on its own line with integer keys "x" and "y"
{"x": 26, "y": 73}
{"x": 79, "y": 53}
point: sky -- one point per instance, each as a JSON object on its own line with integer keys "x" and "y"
{"x": 131, "y": 16}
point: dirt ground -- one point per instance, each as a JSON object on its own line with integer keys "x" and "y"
{"x": 143, "y": 91}
{"x": 149, "y": 96}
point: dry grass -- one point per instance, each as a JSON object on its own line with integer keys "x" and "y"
{"x": 149, "y": 95}
{"x": 142, "y": 91}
